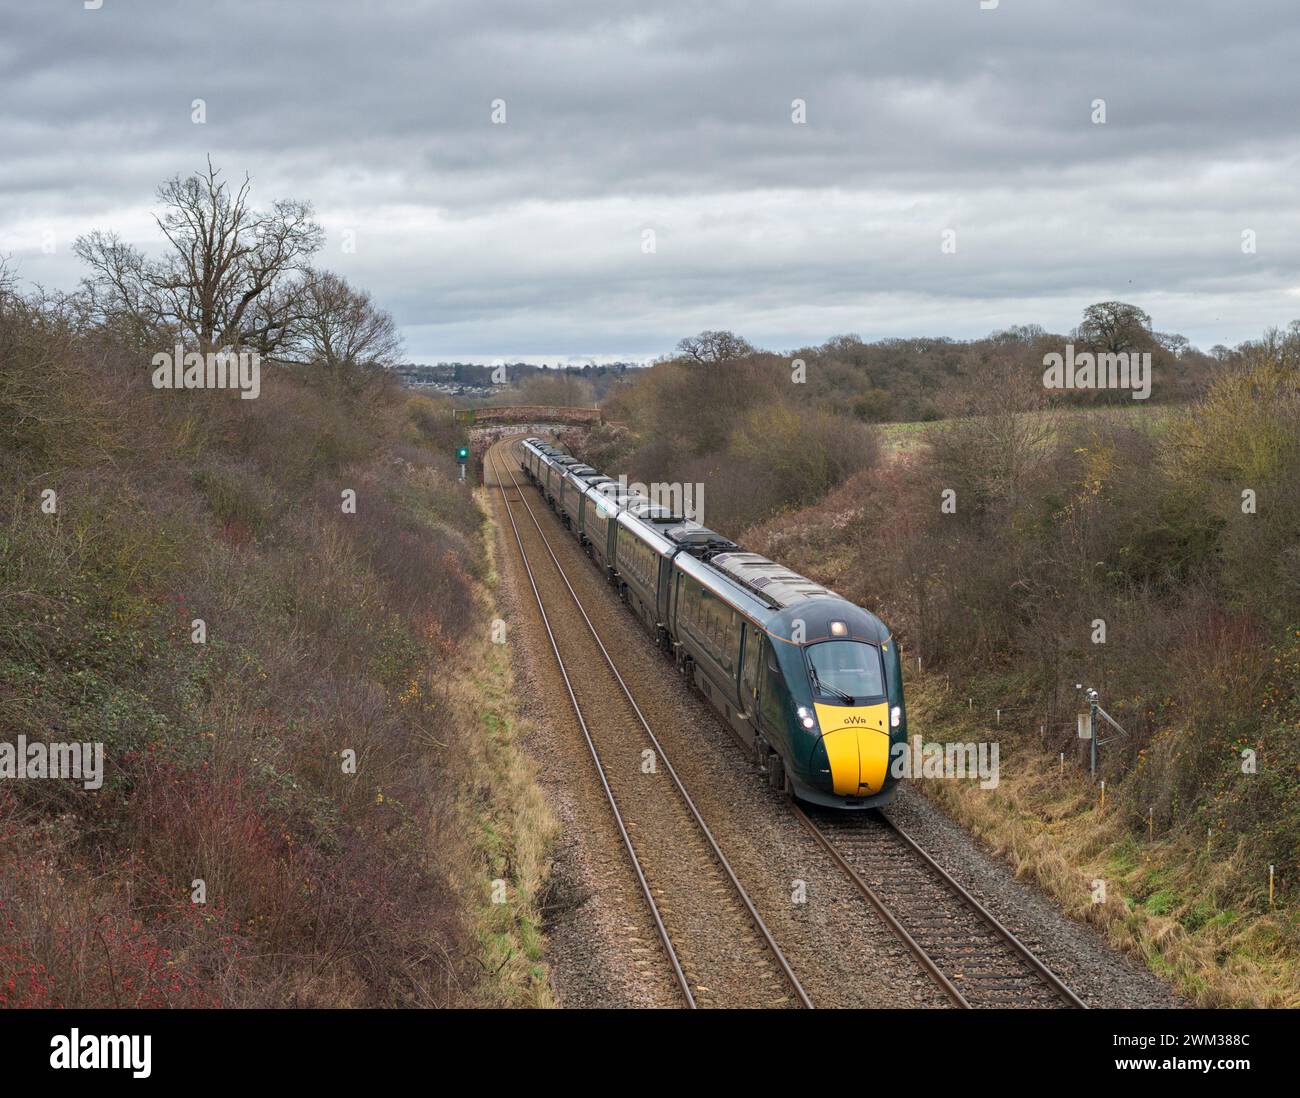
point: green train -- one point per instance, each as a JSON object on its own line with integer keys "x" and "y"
{"x": 810, "y": 683}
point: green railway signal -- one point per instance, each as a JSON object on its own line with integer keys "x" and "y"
{"x": 462, "y": 455}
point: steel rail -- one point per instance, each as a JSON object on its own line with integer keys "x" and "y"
{"x": 1026, "y": 954}
{"x": 895, "y": 924}
{"x": 759, "y": 924}
{"x": 882, "y": 909}
{"x": 664, "y": 936}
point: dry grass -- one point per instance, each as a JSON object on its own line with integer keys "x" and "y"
{"x": 327, "y": 634}
{"x": 509, "y": 826}
{"x": 1162, "y": 897}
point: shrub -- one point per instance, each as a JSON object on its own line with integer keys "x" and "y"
{"x": 324, "y": 632}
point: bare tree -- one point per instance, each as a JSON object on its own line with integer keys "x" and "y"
{"x": 217, "y": 284}
{"x": 120, "y": 288}
{"x": 7, "y": 279}
{"x": 561, "y": 387}
{"x": 339, "y": 327}
{"x": 714, "y": 346}
{"x": 1277, "y": 347}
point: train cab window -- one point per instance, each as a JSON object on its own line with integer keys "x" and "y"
{"x": 846, "y": 672}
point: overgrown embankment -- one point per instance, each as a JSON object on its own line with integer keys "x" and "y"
{"x": 1020, "y": 552}
{"x": 309, "y": 787}
{"x": 756, "y": 440}
{"x": 1193, "y": 905}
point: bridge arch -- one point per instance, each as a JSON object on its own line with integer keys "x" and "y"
{"x": 482, "y": 435}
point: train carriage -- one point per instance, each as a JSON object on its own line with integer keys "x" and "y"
{"x": 573, "y": 484}
{"x": 810, "y": 683}
{"x": 537, "y": 459}
{"x": 715, "y": 624}
{"x": 553, "y": 479}
{"x": 529, "y": 451}
{"x": 599, "y": 520}
{"x": 590, "y": 489}
{"x": 642, "y": 558}
{"x": 535, "y": 454}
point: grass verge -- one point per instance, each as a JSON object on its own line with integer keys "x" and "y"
{"x": 1175, "y": 905}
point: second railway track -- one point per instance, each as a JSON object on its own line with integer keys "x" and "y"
{"x": 719, "y": 948}
{"x": 977, "y": 961}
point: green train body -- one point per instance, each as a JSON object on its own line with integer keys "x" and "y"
{"x": 810, "y": 683}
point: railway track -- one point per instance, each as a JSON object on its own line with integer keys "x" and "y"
{"x": 976, "y": 960}
{"x": 716, "y": 942}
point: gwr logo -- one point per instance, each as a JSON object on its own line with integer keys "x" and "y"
{"x": 856, "y": 720}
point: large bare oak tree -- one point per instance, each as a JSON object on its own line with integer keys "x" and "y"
{"x": 220, "y": 283}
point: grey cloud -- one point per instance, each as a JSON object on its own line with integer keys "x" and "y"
{"x": 921, "y": 116}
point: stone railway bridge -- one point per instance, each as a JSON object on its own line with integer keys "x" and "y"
{"x": 486, "y": 425}
{"x": 513, "y": 414}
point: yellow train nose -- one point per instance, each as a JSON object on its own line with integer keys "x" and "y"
{"x": 857, "y": 744}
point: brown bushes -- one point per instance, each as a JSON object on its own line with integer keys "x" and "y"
{"x": 746, "y": 428}
{"x": 1101, "y": 549}
{"x": 327, "y": 633}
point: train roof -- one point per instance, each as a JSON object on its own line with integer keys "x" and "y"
{"x": 646, "y": 531}
{"x": 747, "y": 602}
{"x": 615, "y": 494}
{"x": 800, "y": 600}
{"x": 770, "y": 593}
{"x": 645, "y": 509}
{"x": 699, "y": 540}
{"x": 774, "y": 582}
{"x": 608, "y": 504}
{"x": 814, "y": 619}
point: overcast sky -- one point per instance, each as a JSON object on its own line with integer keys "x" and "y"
{"x": 527, "y": 239}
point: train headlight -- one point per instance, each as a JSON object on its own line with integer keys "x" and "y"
{"x": 895, "y": 716}
{"x": 806, "y": 718}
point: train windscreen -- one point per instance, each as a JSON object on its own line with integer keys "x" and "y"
{"x": 846, "y": 672}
